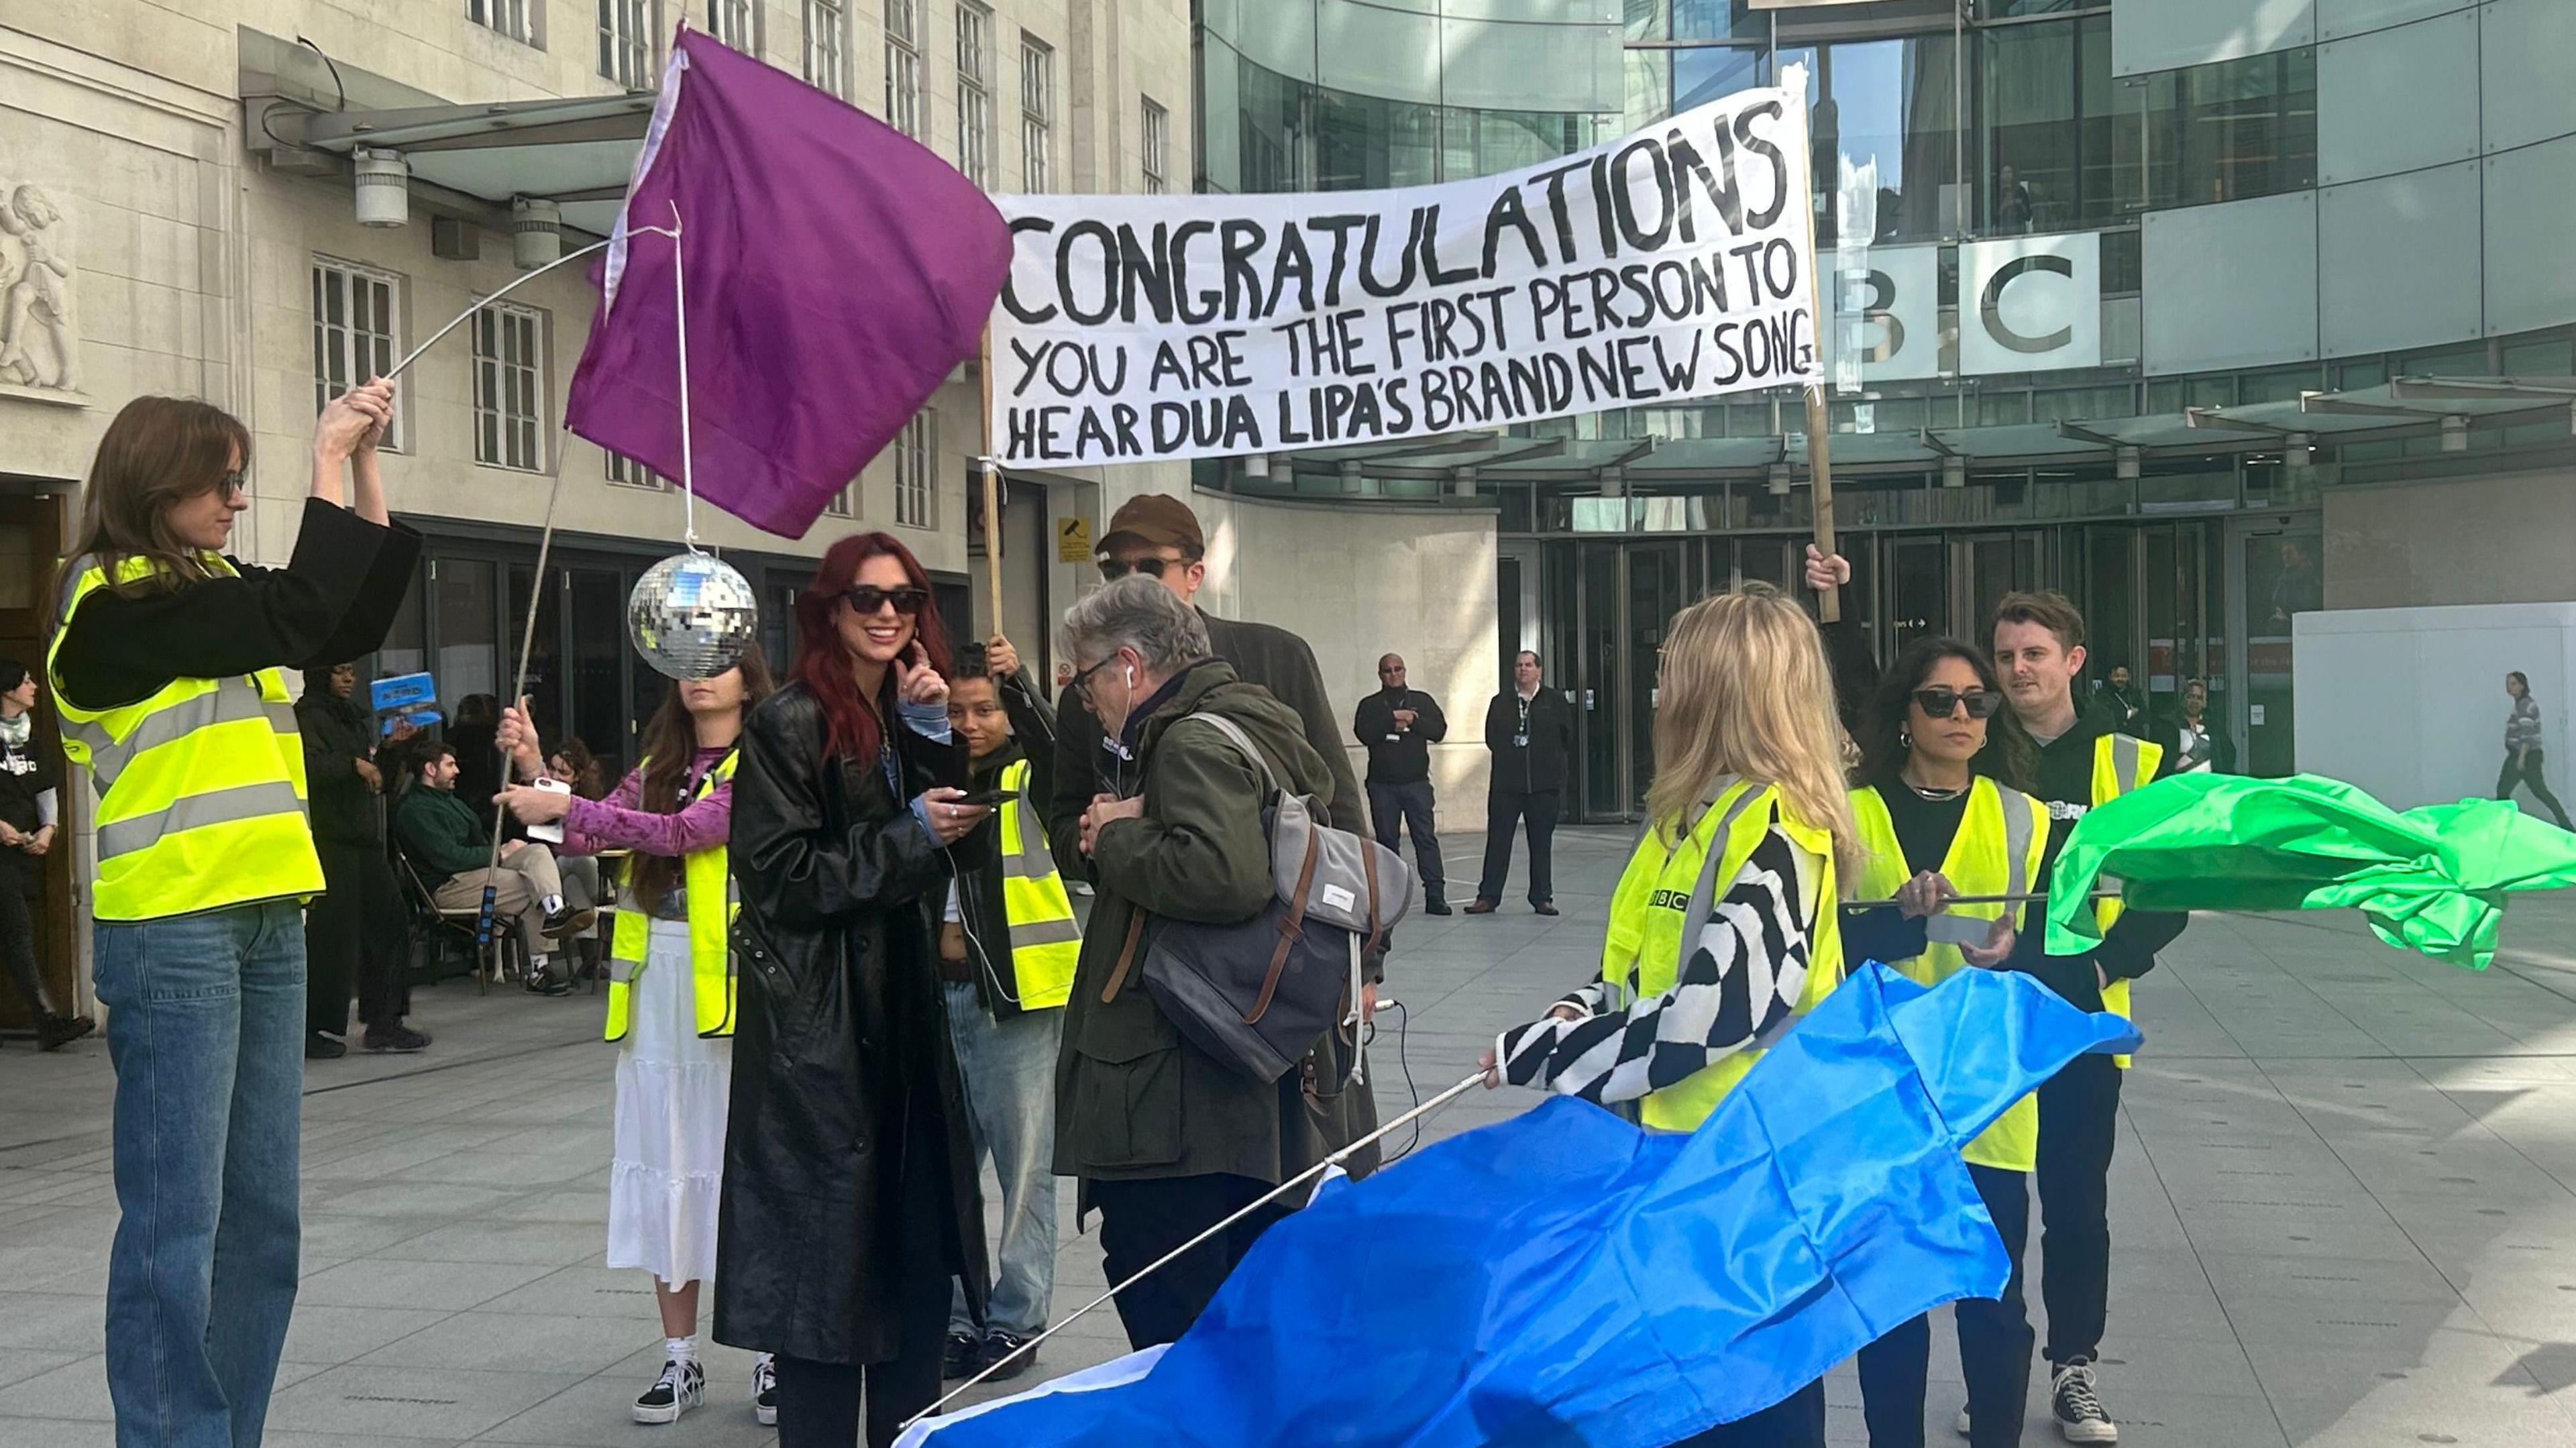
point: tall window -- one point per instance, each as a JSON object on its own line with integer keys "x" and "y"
{"x": 845, "y": 503}
{"x": 975, "y": 92}
{"x": 626, "y": 42}
{"x": 633, "y": 473}
{"x": 509, "y": 386}
{"x": 916, "y": 495}
{"x": 903, "y": 65}
{"x": 827, "y": 61}
{"x": 1037, "y": 114}
{"x": 736, "y": 23}
{"x": 1158, "y": 130}
{"x": 356, "y": 331}
{"x": 509, "y": 17}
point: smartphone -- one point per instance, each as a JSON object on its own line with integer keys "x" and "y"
{"x": 989, "y": 797}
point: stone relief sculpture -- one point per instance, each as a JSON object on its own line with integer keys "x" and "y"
{"x": 36, "y": 342}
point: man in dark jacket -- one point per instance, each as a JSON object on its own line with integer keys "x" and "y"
{"x": 1167, "y": 1139}
{"x": 1398, "y": 726}
{"x": 450, "y": 845}
{"x": 353, "y": 931}
{"x": 1157, "y": 535}
{"x": 1530, "y": 729}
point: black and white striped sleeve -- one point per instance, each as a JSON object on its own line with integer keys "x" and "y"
{"x": 1740, "y": 984}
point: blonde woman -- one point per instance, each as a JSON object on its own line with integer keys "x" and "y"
{"x": 1722, "y": 929}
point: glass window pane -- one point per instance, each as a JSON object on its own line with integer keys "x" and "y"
{"x": 2027, "y": 84}
{"x": 1709, "y": 72}
{"x": 1649, "y": 87}
{"x": 461, "y": 607}
{"x": 1719, "y": 20}
{"x": 1884, "y": 132}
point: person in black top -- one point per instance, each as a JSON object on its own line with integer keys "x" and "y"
{"x": 1531, "y": 733}
{"x": 1398, "y": 726}
{"x": 353, "y": 932}
{"x": 1933, "y": 726}
{"x": 2038, "y": 651}
{"x": 202, "y": 970}
{"x": 30, "y": 809}
{"x": 475, "y": 734}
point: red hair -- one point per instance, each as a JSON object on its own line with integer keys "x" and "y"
{"x": 823, "y": 662}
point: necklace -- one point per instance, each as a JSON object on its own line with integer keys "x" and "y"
{"x": 1937, "y": 796}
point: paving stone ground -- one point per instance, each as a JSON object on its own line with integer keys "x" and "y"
{"x": 2344, "y": 1203}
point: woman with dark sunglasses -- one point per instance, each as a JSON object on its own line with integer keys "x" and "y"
{"x": 1942, "y": 815}
{"x": 849, "y": 1197}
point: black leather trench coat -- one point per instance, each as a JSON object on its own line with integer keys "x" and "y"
{"x": 841, "y": 1049}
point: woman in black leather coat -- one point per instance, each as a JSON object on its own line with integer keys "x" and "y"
{"x": 850, "y": 1198}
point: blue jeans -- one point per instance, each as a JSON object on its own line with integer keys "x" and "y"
{"x": 1009, "y": 1068}
{"x": 206, "y": 1030}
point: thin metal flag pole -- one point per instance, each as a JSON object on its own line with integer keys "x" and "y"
{"x": 1318, "y": 1169}
{"x": 2024, "y": 898}
{"x": 483, "y": 932}
{"x": 414, "y": 354}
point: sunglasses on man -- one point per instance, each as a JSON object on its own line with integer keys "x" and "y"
{"x": 865, "y": 600}
{"x": 1114, "y": 569}
{"x": 1942, "y": 703}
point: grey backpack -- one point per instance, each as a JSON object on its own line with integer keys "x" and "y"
{"x": 1259, "y": 995}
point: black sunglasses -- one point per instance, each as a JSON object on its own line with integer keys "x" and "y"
{"x": 1942, "y": 703}
{"x": 866, "y": 599}
{"x": 1114, "y": 569}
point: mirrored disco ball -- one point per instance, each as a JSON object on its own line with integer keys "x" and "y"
{"x": 691, "y": 616}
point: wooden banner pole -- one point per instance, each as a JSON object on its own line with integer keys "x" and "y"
{"x": 992, "y": 470}
{"x": 1820, "y": 468}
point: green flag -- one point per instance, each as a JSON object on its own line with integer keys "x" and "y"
{"x": 2430, "y": 879}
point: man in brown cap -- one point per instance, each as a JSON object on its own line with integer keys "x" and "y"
{"x": 1157, "y": 534}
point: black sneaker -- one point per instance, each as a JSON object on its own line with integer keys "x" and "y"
{"x": 1436, "y": 906}
{"x": 2075, "y": 1406}
{"x": 54, "y": 1032}
{"x": 319, "y": 1047}
{"x": 999, "y": 1345}
{"x": 764, "y": 1391}
{"x": 569, "y": 921}
{"x": 548, "y": 981}
{"x": 681, "y": 1387}
{"x": 964, "y": 1357}
{"x": 401, "y": 1040}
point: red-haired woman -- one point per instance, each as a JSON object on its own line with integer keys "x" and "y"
{"x": 849, "y": 1181}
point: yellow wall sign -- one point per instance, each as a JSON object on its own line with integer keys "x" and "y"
{"x": 1073, "y": 540}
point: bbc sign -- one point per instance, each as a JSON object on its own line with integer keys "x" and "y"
{"x": 2026, "y": 304}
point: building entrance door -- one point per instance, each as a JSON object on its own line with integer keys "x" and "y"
{"x": 2275, "y": 571}
{"x": 30, "y": 540}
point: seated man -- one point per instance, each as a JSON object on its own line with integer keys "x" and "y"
{"x": 444, "y": 839}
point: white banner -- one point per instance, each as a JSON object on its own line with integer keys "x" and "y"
{"x": 1668, "y": 265}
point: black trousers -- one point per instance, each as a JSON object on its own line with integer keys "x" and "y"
{"x": 1537, "y": 813}
{"x": 820, "y": 1404}
{"x": 1410, "y": 806}
{"x": 1994, "y": 1344}
{"x": 2528, "y": 773}
{"x": 353, "y": 935}
{"x": 1141, "y": 1222}
{"x": 1796, "y": 1421}
{"x": 2079, "y": 1115}
{"x": 21, "y": 879}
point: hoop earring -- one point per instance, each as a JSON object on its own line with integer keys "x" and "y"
{"x": 1904, "y": 736}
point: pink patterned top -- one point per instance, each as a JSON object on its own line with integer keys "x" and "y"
{"x": 618, "y": 823}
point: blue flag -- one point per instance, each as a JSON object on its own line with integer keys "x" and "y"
{"x": 1565, "y": 1278}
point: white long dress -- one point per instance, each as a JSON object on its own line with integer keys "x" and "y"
{"x": 672, "y": 1086}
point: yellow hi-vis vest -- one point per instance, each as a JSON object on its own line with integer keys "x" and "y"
{"x": 708, "y": 880}
{"x": 1045, "y": 941}
{"x": 200, "y": 785}
{"x": 2120, "y": 764}
{"x": 1663, "y": 897}
{"x": 2002, "y": 838}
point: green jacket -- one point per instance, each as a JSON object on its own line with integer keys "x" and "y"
{"x": 1135, "y": 1100}
{"x": 440, "y": 834}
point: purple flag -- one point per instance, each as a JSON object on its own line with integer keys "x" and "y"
{"x": 837, "y": 272}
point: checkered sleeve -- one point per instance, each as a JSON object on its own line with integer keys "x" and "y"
{"x": 1739, "y": 986}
